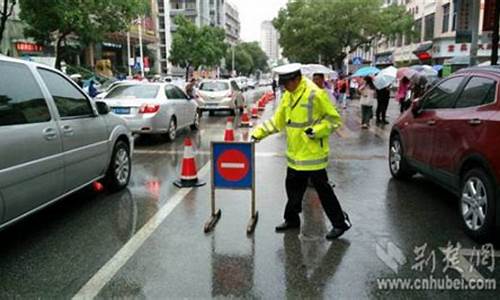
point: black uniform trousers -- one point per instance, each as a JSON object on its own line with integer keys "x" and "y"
{"x": 296, "y": 185}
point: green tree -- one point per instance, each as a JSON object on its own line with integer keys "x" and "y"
{"x": 243, "y": 61}
{"x": 258, "y": 55}
{"x": 195, "y": 47}
{"x": 54, "y": 21}
{"x": 248, "y": 58}
{"x": 330, "y": 29}
{"x": 6, "y": 10}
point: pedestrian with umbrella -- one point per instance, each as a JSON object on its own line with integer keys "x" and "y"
{"x": 404, "y": 76}
{"x": 368, "y": 94}
{"x": 382, "y": 83}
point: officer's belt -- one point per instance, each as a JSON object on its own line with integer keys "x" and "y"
{"x": 307, "y": 162}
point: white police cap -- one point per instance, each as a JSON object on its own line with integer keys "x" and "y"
{"x": 287, "y": 72}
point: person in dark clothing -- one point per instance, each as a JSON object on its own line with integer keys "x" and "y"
{"x": 274, "y": 87}
{"x": 383, "y": 96}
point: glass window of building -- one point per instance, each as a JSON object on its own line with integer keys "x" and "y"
{"x": 418, "y": 31}
{"x": 446, "y": 17}
{"x": 429, "y": 27}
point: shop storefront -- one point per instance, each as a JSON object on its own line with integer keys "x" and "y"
{"x": 384, "y": 59}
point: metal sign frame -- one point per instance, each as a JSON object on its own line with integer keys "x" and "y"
{"x": 216, "y": 213}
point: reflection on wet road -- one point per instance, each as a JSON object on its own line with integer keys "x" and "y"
{"x": 55, "y": 253}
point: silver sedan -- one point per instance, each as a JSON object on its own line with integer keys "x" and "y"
{"x": 216, "y": 95}
{"x": 154, "y": 108}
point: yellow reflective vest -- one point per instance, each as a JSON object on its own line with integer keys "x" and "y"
{"x": 307, "y": 107}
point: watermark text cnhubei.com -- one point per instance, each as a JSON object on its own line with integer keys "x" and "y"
{"x": 432, "y": 283}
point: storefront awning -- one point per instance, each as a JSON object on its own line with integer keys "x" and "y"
{"x": 423, "y": 48}
{"x": 423, "y": 51}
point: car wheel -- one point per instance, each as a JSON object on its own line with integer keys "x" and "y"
{"x": 120, "y": 167}
{"x": 196, "y": 122}
{"x": 397, "y": 163}
{"x": 477, "y": 204}
{"x": 172, "y": 129}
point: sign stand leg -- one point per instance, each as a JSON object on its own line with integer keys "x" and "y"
{"x": 215, "y": 216}
{"x": 254, "y": 217}
{"x": 254, "y": 214}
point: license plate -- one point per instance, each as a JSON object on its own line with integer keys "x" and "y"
{"x": 212, "y": 104}
{"x": 121, "y": 110}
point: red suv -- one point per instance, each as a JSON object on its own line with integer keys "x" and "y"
{"x": 452, "y": 134}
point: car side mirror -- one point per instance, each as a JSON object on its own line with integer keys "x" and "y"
{"x": 102, "y": 108}
{"x": 416, "y": 107}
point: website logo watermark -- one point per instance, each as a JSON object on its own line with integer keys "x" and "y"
{"x": 432, "y": 267}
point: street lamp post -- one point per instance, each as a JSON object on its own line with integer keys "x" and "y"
{"x": 232, "y": 57}
{"x": 475, "y": 32}
{"x": 128, "y": 55}
{"x": 494, "y": 39}
{"x": 140, "y": 47}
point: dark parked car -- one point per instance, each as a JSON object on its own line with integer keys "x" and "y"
{"x": 452, "y": 135}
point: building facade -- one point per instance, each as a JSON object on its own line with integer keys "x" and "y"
{"x": 14, "y": 43}
{"x": 269, "y": 42}
{"x": 217, "y": 13}
{"x": 231, "y": 23}
{"x": 435, "y": 41}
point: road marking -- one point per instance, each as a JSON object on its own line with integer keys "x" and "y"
{"x": 94, "y": 286}
{"x": 232, "y": 165}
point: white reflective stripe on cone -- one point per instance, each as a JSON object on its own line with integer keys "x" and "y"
{"x": 188, "y": 152}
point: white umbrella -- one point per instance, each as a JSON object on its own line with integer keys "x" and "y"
{"x": 425, "y": 70}
{"x": 312, "y": 69}
{"x": 385, "y": 77}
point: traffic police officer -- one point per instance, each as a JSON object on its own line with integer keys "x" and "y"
{"x": 308, "y": 116}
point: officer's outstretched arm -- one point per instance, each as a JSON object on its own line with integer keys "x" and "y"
{"x": 271, "y": 126}
{"x": 330, "y": 120}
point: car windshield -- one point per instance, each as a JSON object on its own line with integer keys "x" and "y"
{"x": 134, "y": 91}
{"x": 214, "y": 86}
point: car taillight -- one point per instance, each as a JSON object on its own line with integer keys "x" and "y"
{"x": 149, "y": 108}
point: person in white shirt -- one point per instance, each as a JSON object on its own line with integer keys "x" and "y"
{"x": 368, "y": 94}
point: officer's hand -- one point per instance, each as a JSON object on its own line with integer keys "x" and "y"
{"x": 309, "y": 132}
{"x": 253, "y": 139}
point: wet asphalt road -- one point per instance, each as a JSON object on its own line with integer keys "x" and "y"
{"x": 89, "y": 242}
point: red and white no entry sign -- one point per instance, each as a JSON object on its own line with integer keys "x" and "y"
{"x": 233, "y": 165}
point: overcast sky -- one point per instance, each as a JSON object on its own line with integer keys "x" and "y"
{"x": 253, "y": 12}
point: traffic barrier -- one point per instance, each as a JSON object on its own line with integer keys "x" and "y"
{"x": 245, "y": 119}
{"x": 189, "y": 172}
{"x": 229, "y": 132}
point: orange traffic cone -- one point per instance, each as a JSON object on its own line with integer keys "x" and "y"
{"x": 229, "y": 132}
{"x": 189, "y": 173}
{"x": 245, "y": 119}
{"x": 255, "y": 112}
{"x": 262, "y": 104}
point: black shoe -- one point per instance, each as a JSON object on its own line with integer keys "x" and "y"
{"x": 385, "y": 122}
{"x": 337, "y": 232}
{"x": 287, "y": 226}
